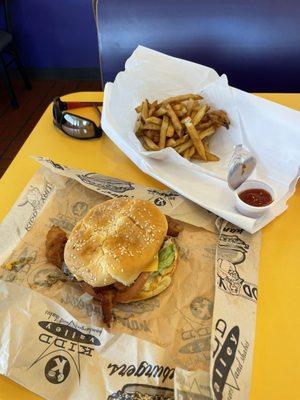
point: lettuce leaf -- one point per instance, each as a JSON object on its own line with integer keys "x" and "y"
{"x": 166, "y": 256}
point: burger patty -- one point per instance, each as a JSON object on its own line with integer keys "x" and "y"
{"x": 108, "y": 295}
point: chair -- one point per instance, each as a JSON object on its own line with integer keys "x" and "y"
{"x": 255, "y": 43}
{"x": 8, "y": 48}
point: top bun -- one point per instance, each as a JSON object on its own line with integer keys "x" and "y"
{"x": 115, "y": 241}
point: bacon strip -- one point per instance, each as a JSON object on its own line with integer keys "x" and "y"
{"x": 174, "y": 227}
{"x": 106, "y": 296}
{"x": 132, "y": 290}
{"x": 110, "y": 295}
{"x": 120, "y": 287}
{"x": 107, "y": 303}
{"x": 55, "y": 244}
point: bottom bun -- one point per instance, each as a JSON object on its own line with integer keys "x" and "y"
{"x": 159, "y": 284}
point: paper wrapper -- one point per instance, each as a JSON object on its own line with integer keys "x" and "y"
{"x": 268, "y": 130}
{"x": 195, "y": 340}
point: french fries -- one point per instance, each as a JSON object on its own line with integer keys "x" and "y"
{"x": 195, "y": 138}
{"x": 150, "y": 144}
{"x": 153, "y": 127}
{"x": 207, "y": 132}
{"x": 161, "y": 111}
{"x": 138, "y": 127}
{"x": 181, "y": 140}
{"x": 175, "y": 121}
{"x": 145, "y": 110}
{"x": 163, "y": 132}
{"x": 183, "y": 97}
{"x": 188, "y": 153}
{"x": 152, "y": 108}
{"x": 170, "y": 130}
{"x": 171, "y": 142}
{"x": 189, "y": 106}
{"x": 199, "y": 115}
{"x": 184, "y": 123}
{"x": 182, "y": 147}
{"x": 153, "y": 120}
{"x": 211, "y": 157}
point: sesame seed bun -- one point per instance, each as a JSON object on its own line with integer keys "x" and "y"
{"x": 115, "y": 241}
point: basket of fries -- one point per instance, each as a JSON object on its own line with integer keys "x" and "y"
{"x": 180, "y": 123}
{"x": 173, "y": 110}
{"x": 183, "y": 123}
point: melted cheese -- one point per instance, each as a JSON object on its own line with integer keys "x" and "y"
{"x": 153, "y": 266}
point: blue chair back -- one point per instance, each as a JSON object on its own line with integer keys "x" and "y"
{"x": 256, "y": 43}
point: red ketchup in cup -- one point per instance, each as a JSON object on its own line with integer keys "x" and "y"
{"x": 253, "y": 198}
{"x": 256, "y": 197}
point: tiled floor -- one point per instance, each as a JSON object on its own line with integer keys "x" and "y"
{"x": 16, "y": 125}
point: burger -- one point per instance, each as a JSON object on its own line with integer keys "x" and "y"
{"x": 122, "y": 251}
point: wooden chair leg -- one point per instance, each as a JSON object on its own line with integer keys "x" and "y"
{"x": 21, "y": 68}
{"x": 7, "y": 83}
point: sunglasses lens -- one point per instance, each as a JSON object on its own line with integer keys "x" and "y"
{"x": 77, "y": 127}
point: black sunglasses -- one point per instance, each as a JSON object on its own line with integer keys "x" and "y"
{"x": 74, "y": 125}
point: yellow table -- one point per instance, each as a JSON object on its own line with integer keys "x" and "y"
{"x": 276, "y": 370}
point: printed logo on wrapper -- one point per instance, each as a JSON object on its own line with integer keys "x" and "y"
{"x": 232, "y": 252}
{"x": 201, "y": 308}
{"x": 36, "y": 197}
{"x": 141, "y": 392}
{"x": 52, "y": 163}
{"x": 63, "y": 344}
{"x": 144, "y": 368}
{"x": 57, "y": 369}
{"x": 67, "y": 221}
{"x": 196, "y": 337}
{"x": 162, "y": 197}
{"x": 118, "y": 188}
{"x": 103, "y": 184}
{"x": 129, "y": 315}
{"x": 229, "y": 356}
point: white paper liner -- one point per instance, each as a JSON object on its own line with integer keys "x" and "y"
{"x": 270, "y": 131}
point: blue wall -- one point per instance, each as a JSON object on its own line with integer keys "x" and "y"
{"x": 55, "y": 34}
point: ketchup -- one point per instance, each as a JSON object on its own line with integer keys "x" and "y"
{"x": 256, "y": 197}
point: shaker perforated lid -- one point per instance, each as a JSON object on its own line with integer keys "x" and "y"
{"x": 241, "y": 166}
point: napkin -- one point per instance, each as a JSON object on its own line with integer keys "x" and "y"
{"x": 265, "y": 128}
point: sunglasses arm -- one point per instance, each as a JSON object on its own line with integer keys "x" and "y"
{"x": 69, "y": 105}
